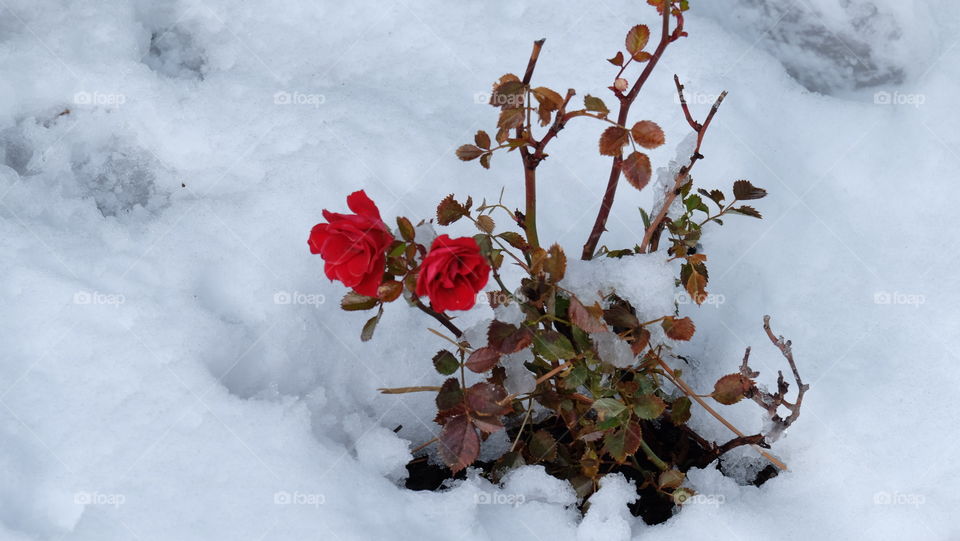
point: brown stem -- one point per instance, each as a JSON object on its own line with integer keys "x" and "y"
{"x": 626, "y": 101}
{"x": 651, "y": 235}
{"x": 442, "y": 318}
{"x": 530, "y": 165}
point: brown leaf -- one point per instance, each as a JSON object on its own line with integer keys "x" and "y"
{"x": 449, "y": 211}
{"x": 469, "y": 152}
{"x": 731, "y": 388}
{"x": 678, "y": 328}
{"x": 482, "y": 139}
{"x": 617, "y": 59}
{"x": 485, "y": 160}
{"x": 389, "y": 291}
{"x": 693, "y": 275}
{"x": 507, "y": 92}
{"x": 648, "y": 134}
{"x": 556, "y": 263}
{"x": 510, "y": 118}
{"x": 483, "y": 359}
{"x": 637, "y": 39}
{"x": 636, "y": 168}
{"x": 612, "y": 140}
{"x": 542, "y": 446}
{"x": 459, "y": 444}
{"x": 546, "y": 96}
{"x": 581, "y": 317}
{"x": 507, "y": 338}
{"x": 744, "y": 191}
{"x": 406, "y": 228}
{"x": 485, "y": 223}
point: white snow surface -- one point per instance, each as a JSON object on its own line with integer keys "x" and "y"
{"x": 174, "y": 363}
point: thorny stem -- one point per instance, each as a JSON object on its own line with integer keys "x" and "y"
{"x": 653, "y": 232}
{"x": 530, "y": 165}
{"x": 626, "y": 101}
{"x": 442, "y": 318}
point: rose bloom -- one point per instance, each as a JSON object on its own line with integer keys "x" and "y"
{"x": 353, "y": 246}
{"x": 452, "y": 273}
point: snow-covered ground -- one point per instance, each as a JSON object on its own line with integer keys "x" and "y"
{"x": 173, "y": 364}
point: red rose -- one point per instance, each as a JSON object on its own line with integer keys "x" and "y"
{"x": 452, "y": 273}
{"x": 353, "y": 246}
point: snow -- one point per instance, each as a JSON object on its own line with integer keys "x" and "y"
{"x": 175, "y": 365}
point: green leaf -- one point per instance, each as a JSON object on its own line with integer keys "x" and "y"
{"x": 450, "y": 395}
{"x": 645, "y": 217}
{"x": 649, "y": 406}
{"x": 353, "y": 301}
{"x": 680, "y": 410}
{"x": 553, "y": 346}
{"x": 542, "y": 446}
{"x": 592, "y": 103}
{"x": 608, "y": 407}
{"x": 445, "y": 362}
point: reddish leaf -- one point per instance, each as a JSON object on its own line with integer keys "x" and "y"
{"x": 617, "y": 59}
{"x": 581, "y": 317}
{"x": 484, "y": 399}
{"x": 623, "y": 442}
{"x": 636, "y": 167}
{"x": 637, "y": 39}
{"x": 731, "y": 388}
{"x": 507, "y": 338}
{"x": 556, "y": 263}
{"x": 459, "y": 444}
{"x": 612, "y": 140}
{"x": 678, "y": 328}
{"x": 483, "y": 359}
{"x": 647, "y": 134}
{"x": 640, "y": 341}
